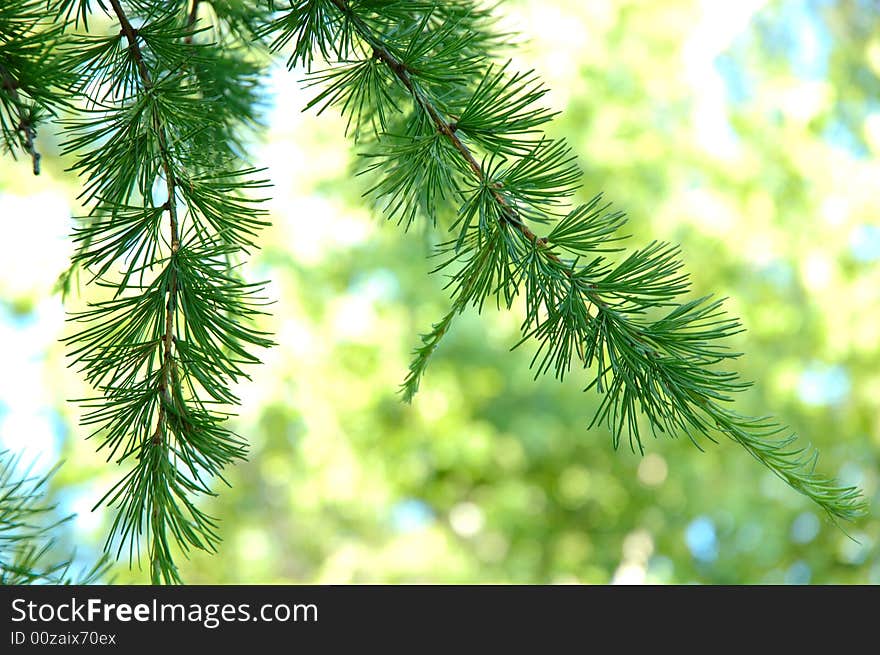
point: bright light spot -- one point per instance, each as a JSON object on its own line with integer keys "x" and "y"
{"x": 873, "y": 55}
{"x": 433, "y": 404}
{"x": 804, "y": 528}
{"x": 653, "y": 470}
{"x": 342, "y": 478}
{"x": 872, "y": 130}
{"x": 253, "y": 545}
{"x": 32, "y": 435}
{"x": 835, "y": 210}
{"x": 851, "y": 475}
{"x": 29, "y": 425}
{"x": 22, "y": 391}
{"x": 710, "y": 211}
{"x": 285, "y": 93}
{"x": 314, "y": 226}
{"x": 353, "y": 317}
{"x": 817, "y": 271}
{"x": 295, "y": 336}
{"x": 377, "y": 285}
{"x": 761, "y": 251}
{"x": 823, "y": 385}
{"x": 80, "y": 503}
{"x": 804, "y": 100}
{"x": 718, "y": 24}
{"x": 562, "y": 38}
{"x": 466, "y": 519}
{"x": 410, "y": 515}
{"x": 864, "y": 242}
{"x": 35, "y": 246}
{"x": 630, "y": 573}
{"x": 638, "y": 546}
{"x": 701, "y": 539}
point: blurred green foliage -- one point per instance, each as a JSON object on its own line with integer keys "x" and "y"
{"x": 749, "y": 134}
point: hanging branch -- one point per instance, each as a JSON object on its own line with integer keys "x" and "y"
{"x": 473, "y": 139}
{"x": 170, "y": 205}
{"x": 32, "y": 75}
{"x": 165, "y": 349}
{"x": 27, "y": 527}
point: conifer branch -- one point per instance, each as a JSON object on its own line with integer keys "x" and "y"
{"x": 166, "y": 348}
{"x": 507, "y": 213}
{"x": 447, "y": 128}
{"x": 32, "y": 76}
{"x": 170, "y": 206}
{"x": 655, "y": 357}
{"x": 165, "y": 383}
{"x": 27, "y": 527}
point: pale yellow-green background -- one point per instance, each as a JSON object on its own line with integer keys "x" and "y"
{"x": 747, "y": 131}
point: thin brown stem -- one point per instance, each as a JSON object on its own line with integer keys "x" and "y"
{"x": 191, "y": 19}
{"x": 170, "y": 205}
{"x": 25, "y": 126}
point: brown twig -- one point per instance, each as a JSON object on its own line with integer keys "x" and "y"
{"x": 191, "y": 20}
{"x": 25, "y": 126}
{"x": 171, "y": 206}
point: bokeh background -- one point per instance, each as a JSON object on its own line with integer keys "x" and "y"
{"x": 748, "y": 131}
